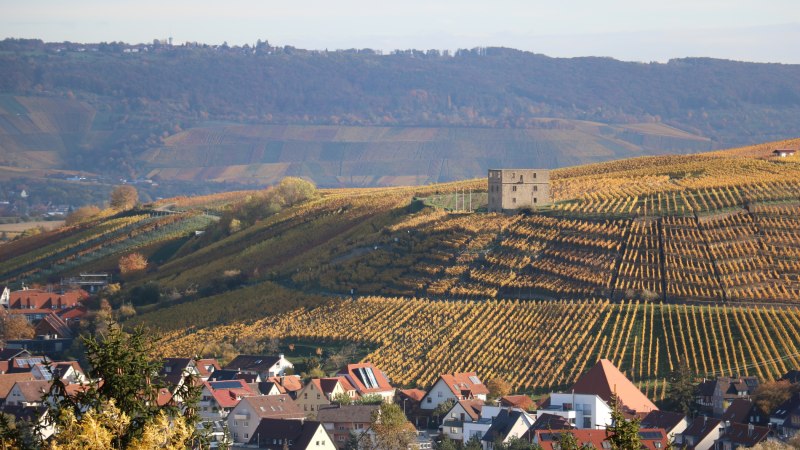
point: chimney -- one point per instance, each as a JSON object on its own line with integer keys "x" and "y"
{"x": 750, "y": 429}
{"x": 280, "y": 356}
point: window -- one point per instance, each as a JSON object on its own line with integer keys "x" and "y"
{"x": 657, "y": 444}
{"x": 318, "y": 396}
{"x": 535, "y": 188}
{"x": 520, "y": 178}
{"x": 430, "y": 400}
{"x": 305, "y": 396}
{"x": 439, "y": 394}
{"x": 246, "y": 436}
{"x": 454, "y": 430}
{"x": 534, "y": 199}
{"x": 514, "y": 188}
{"x": 514, "y": 200}
{"x": 534, "y": 175}
{"x": 236, "y": 423}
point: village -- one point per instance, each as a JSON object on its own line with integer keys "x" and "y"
{"x": 255, "y": 401}
{"x": 258, "y": 401}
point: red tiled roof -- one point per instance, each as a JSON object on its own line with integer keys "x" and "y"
{"x": 353, "y": 374}
{"x": 227, "y": 396}
{"x": 39, "y": 299}
{"x": 605, "y": 380}
{"x": 472, "y": 407}
{"x": 7, "y": 381}
{"x": 290, "y": 383}
{"x": 414, "y": 394}
{"x": 518, "y": 401}
{"x": 201, "y": 366}
{"x": 651, "y": 438}
{"x": 462, "y": 384}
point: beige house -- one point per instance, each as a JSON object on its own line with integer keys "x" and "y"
{"x": 320, "y": 391}
{"x": 514, "y": 189}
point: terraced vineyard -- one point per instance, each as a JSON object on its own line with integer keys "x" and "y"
{"x": 535, "y": 345}
{"x": 108, "y": 237}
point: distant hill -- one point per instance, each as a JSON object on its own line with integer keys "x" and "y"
{"x": 357, "y": 118}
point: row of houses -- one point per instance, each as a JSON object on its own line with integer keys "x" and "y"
{"x": 256, "y": 402}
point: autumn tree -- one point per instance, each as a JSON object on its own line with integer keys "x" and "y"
{"x": 81, "y": 214}
{"x": 122, "y": 409}
{"x": 771, "y": 394}
{"x": 443, "y": 408}
{"x": 123, "y": 197}
{"x": 392, "y": 429}
{"x": 15, "y": 326}
{"x": 498, "y": 387}
{"x": 134, "y": 262}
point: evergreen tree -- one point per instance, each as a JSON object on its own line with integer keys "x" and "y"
{"x": 623, "y": 434}
{"x": 681, "y": 390}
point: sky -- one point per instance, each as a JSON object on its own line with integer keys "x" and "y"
{"x": 631, "y": 30}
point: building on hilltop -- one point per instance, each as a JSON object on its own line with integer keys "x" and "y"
{"x": 514, "y": 189}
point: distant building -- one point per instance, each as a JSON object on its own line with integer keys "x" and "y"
{"x": 783, "y": 153}
{"x": 514, "y": 189}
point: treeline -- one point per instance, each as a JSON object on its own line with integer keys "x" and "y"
{"x": 731, "y": 102}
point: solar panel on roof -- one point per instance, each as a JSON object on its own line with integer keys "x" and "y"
{"x": 371, "y": 377}
{"x": 225, "y": 384}
{"x": 474, "y": 379}
{"x": 650, "y": 435}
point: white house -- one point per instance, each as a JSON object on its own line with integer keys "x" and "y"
{"x": 263, "y": 366}
{"x": 507, "y": 425}
{"x": 463, "y": 411}
{"x": 456, "y": 386}
{"x": 583, "y": 411}
{"x": 477, "y": 429}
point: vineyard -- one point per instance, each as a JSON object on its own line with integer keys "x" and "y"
{"x": 536, "y": 345}
{"x": 112, "y": 236}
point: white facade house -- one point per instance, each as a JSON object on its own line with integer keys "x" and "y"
{"x": 464, "y": 411}
{"x": 478, "y": 429}
{"x": 456, "y": 386}
{"x": 584, "y": 411}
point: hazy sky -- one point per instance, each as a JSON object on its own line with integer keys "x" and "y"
{"x": 641, "y": 30}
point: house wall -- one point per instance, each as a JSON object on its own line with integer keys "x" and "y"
{"x": 512, "y": 189}
{"x": 438, "y": 394}
{"x": 310, "y": 398}
{"x": 321, "y": 440}
{"x": 279, "y": 368}
{"x": 242, "y": 422}
{"x": 475, "y": 429}
{"x": 591, "y": 412}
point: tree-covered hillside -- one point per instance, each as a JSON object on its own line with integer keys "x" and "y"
{"x": 119, "y": 104}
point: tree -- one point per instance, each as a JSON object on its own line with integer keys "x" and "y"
{"x": 498, "y": 387}
{"x": 134, "y": 262}
{"x": 771, "y": 394}
{"x": 123, "y": 197}
{"x": 293, "y": 190}
{"x": 15, "y": 326}
{"x": 474, "y": 443}
{"x": 81, "y": 214}
{"x": 680, "y": 393}
{"x": 443, "y": 408}
{"x": 342, "y": 399}
{"x": 392, "y": 429}
{"x": 123, "y": 407}
{"x": 568, "y": 441}
{"x": 445, "y": 444}
{"x": 623, "y": 434}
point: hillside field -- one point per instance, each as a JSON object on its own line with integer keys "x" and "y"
{"x": 650, "y": 262}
